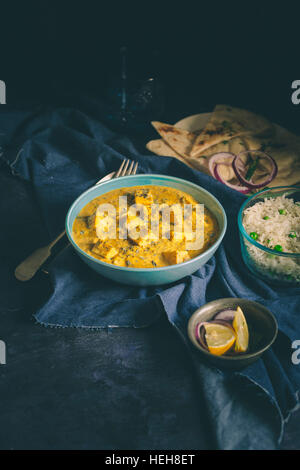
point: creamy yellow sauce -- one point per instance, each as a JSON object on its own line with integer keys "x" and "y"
{"x": 146, "y": 251}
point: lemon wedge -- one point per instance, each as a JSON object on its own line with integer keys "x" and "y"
{"x": 241, "y": 329}
{"x": 219, "y": 338}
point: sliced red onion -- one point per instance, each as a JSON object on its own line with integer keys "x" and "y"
{"x": 241, "y": 189}
{"x": 226, "y": 315}
{"x": 226, "y": 158}
{"x": 236, "y": 164}
{"x": 200, "y": 335}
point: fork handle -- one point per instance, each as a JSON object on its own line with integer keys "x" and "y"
{"x": 51, "y": 245}
{"x": 29, "y": 267}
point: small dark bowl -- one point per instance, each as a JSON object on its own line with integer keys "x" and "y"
{"x": 262, "y": 326}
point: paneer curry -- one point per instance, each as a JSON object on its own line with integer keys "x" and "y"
{"x": 143, "y": 238}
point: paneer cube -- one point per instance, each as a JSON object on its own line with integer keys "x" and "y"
{"x": 119, "y": 261}
{"x": 94, "y": 219}
{"x": 105, "y": 249}
{"x": 138, "y": 232}
{"x": 145, "y": 241}
{"x": 105, "y": 227}
{"x": 175, "y": 257}
{"x": 143, "y": 196}
{"x": 187, "y": 199}
{"x": 91, "y": 220}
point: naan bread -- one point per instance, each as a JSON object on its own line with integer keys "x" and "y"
{"x": 227, "y": 122}
{"x": 284, "y": 147}
{"x": 179, "y": 140}
{"x": 242, "y": 131}
{"x": 160, "y": 147}
{"x": 234, "y": 145}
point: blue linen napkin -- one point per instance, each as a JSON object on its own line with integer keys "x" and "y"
{"x": 63, "y": 152}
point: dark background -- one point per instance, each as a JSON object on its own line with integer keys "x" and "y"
{"x": 203, "y": 52}
{"x": 68, "y": 388}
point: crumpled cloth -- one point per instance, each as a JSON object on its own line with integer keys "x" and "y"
{"x": 63, "y": 152}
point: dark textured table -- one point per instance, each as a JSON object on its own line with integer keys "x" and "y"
{"x": 68, "y": 388}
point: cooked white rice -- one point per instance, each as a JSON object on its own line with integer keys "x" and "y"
{"x": 276, "y": 221}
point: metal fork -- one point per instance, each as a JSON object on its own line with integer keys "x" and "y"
{"x": 29, "y": 267}
{"x": 122, "y": 171}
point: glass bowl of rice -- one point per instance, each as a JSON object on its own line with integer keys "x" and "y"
{"x": 269, "y": 226}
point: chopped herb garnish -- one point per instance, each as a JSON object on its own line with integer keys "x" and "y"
{"x": 266, "y": 217}
{"x": 282, "y": 211}
{"x": 278, "y": 248}
{"x": 251, "y": 169}
{"x": 254, "y": 235}
{"x": 268, "y": 241}
{"x": 293, "y": 235}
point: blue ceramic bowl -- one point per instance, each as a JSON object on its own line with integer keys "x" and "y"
{"x": 148, "y": 276}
